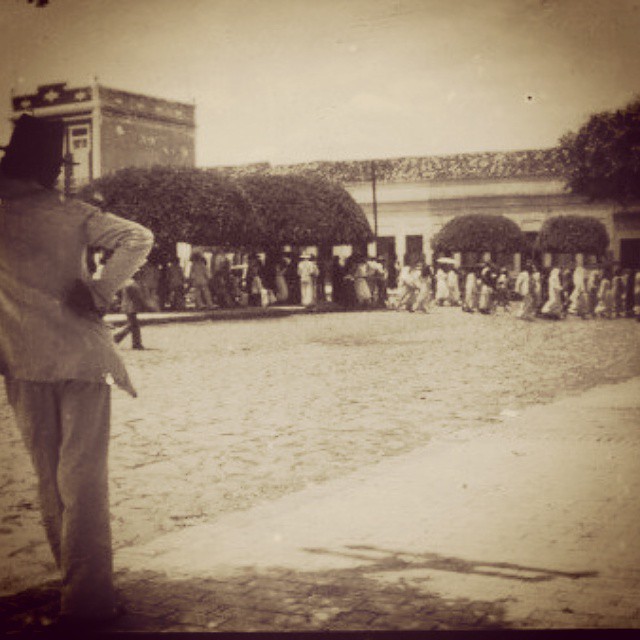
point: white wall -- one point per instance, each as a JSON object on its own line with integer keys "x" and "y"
{"x": 423, "y": 208}
{"x": 362, "y": 192}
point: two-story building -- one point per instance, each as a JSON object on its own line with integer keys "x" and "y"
{"x": 108, "y": 129}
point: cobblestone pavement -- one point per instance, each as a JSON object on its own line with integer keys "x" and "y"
{"x": 235, "y": 415}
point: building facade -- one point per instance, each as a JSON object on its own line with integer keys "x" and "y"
{"x": 415, "y": 197}
{"x": 108, "y": 129}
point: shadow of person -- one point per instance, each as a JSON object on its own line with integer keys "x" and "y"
{"x": 279, "y": 599}
{"x": 273, "y": 600}
{"x": 381, "y": 560}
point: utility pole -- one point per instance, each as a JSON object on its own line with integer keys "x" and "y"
{"x": 375, "y": 205}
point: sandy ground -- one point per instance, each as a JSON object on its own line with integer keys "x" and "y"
{"x": 237, "y": 417}
{"x": 531, "y": 523}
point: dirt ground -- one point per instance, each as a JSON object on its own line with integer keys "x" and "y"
{"x": 234, "y": 416}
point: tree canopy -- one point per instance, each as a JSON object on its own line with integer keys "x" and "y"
{"x": 603, "y": 157}
{"x": 180, "y": 204}
{"x": 573, "y": 234}
{"x": 206, "y": 207}
{"x": 478, "y": 233}
{"x": 304, "y": 210}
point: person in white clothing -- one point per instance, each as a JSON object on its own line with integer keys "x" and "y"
{"x": 523, "y": 289}
{"x": 453, "y": 285}
{"x": 308, "y": 272}
{"x": 553, "y": 306}
{"x": 442, "y": 289}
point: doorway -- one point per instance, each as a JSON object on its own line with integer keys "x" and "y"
{"x": 630, "y": 253}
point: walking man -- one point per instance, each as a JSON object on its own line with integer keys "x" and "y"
{"x": 132, "y": 304}
{"x": 58, "y": 357}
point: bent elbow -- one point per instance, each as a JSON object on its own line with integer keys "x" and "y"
{"x": 148, "y": 237}
{"x": 139, "y": 239}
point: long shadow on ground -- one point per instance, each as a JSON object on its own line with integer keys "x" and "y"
{"x": 279, "y": 599}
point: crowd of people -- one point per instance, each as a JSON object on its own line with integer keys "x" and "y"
{"x": 288, "y": 278}
{"x": 293, "y": 279}
{"x": 361, "y": 282}
{"x": 365, "y": 282}
{"x": 598, "y": 291}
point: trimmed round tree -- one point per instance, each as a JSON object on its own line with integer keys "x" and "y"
{"x": 180, "y": 205}
{"x": 304, "y": 210}
{"x": 477, "y": 233}
{"x": 573, "y": 234}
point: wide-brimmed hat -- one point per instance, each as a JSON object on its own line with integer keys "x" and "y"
{"x": 34, "y": 151}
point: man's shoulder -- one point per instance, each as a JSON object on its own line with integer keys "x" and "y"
{"x": 49, "y": 202}
{"x": 73, "y": 206}
{"x": 55, "y": 201}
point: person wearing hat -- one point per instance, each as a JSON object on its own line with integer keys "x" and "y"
{"x": 308, "y": 272}
{"x": 58, "y": 357}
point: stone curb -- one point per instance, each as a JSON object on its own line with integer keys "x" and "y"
{"x": 147, "y": 319}
{"x": 244, "y": 313}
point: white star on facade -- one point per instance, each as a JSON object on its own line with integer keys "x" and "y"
{"x": 80, "y": 95}
{"x": 25, "y": 104}
{"x": 51, "y": 95}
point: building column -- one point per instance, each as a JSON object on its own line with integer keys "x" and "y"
{"x": 517, "y": 262}
{"x": 401, "y": 245}
{"x": 428, "y": 252}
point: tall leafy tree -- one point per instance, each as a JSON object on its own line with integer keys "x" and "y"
{"x": 603, "y": 157}
{"x": 478, "y": 233}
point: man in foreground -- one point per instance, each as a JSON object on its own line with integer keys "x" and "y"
{"x": 58, "y": 357}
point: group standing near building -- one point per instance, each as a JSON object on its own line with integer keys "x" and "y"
{"x": 366, "y": 282}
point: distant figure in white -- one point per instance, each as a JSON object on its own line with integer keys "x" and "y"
{"x": 308, "y": 272}
{"x": 578, "y": 303}
{"x": 553, "y": 306}
{"x": 453, "y": 285}
{"x": 442, "y": 290}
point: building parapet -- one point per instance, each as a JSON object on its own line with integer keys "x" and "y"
{"x": 147, "y": 107}
{"x": 109, "y": 129}
{"x": 498, "y": 165}
{"x": 50, "y": 95}
{"x": 56, "y": 98}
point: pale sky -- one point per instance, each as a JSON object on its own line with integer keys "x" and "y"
{"x": 286, "y": 81}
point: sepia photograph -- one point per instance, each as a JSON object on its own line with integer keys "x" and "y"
{"x": 319, "y": 317}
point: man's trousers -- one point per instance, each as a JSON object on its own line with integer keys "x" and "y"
{"x": 65, "y": 427}
{"x": 132, "y": 327}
